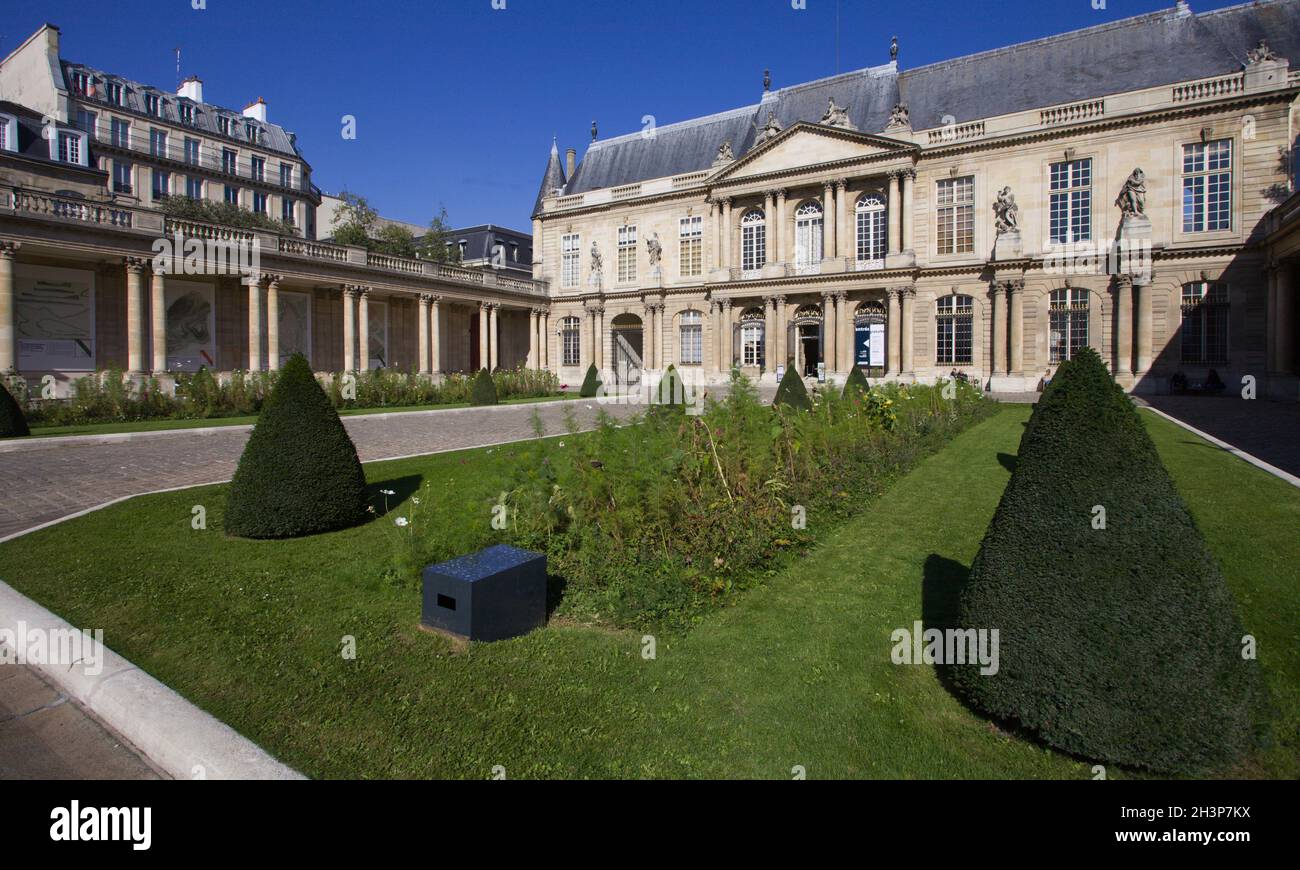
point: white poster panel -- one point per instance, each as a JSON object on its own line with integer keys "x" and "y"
{"x": 877, "y": 344}
{"x": 295, "y": 325}
{"x": 378, "y": 343}
{"x": 54, "y": 318}
{"x": 191, "y": 326}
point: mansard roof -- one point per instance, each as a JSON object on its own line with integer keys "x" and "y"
{"x": 1146, "y": 51}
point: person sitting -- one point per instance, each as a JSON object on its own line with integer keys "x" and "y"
{"x": 1047, "y": 378}
{"x": 1213, "y": 384}
{"x": 1178, "y": 383}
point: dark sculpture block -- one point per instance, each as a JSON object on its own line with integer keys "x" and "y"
{"x": 493, "y": 594}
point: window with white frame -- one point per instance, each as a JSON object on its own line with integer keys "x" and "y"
{"x": 627, "y": 253}
{"x": 194, "y": 187}
{"x": 232, "y": 195}
{"x": 954, "y": 329}
{"x": 86, "y": 122}
{"x": 151, "y": 104}
{"x": 186, "y": 111}
{"x": 158, "y": 142}
{"x": 120, "y": 133}
{"x": 286, "y": 210}
{"x": 113, "y": 93}
{"x": 751, "y": 339}
{"x": 192, "y": 151}
{"x": 753, "y": 240}
{"x": 570, "y": 337}
{"x": 161, "y": 184}
{"x": 250, "y": 132}
{"x": 259, "y": 202}
{"x": 122, "y": 173}
{"x": 8, "y": 133}
{"x": 229, "y": 161}
{"x": 690, "y": 246}
{"x": 72, "y": 147}
{"x": 286, "y": 175}
{"x": 872, "y": 222}
{"x": 807, "y": 235}
{"x": 1070, "y": 201}
{"x": 1205, "y": 322}
{"x": 955, "y": 219}
{"x": 1207, "y": 186}
{"x": 223, "y": 125}
{"x": 81, "y": 83}
{"x": 257, "y": 168}
{"x": 570, "y": 260}
{"x": 1068, "y": 323}
{"x": 692, "y": 338}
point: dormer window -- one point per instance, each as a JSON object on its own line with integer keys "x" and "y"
{"x": 81, "y": 83}
{"x": 151, "y": 104}
{"x": 223, "y": 125}
{"x": 113, "y": 93}
{"x": 71, "y": 147}
{"x": 250, "y": 132}
{"x": 186, "y": 112}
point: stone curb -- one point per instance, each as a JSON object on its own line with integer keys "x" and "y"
{"x": 175, "y": 735}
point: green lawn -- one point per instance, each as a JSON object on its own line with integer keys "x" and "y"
{"x": 796, "y": 672}
{"x": 167, "y": 424}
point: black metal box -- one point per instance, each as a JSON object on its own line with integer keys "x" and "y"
{"x": 493, "y": 594}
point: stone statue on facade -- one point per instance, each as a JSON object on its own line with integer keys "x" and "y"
{"x": 725, "y": 154}
{"x": 1132, "y": 199}
{"x": 1006, "y": 214}
{"x": 837, "y": 116}
{"x": 769, "y": 130}
{"x": 597, "y": 267}
{"x": 899, "y": 117}
{"x": 1261, "y": 53}
{"x": 654, "y": 249}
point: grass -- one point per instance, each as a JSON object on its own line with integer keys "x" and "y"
{"x": 248, "y": 420}
{"x": 796, "y": 672}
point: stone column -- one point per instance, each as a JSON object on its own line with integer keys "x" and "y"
{"x": 660, "y": 350}
{"x": 830, "y": 328}
{"x": 8, "y": 343}
{"x": 1142, "y": 322}
{"x": 158, "y": 320}
{"x": 724, "y": 335}
{"x": 1016, "y": 298}
{"x": 422, "y": 332}
{"x": 435, "y": 335}
{"x": 600, "y": 337}
{"x": 769, "y": 333}
{"x": 494, "y": 336}
{"x": 769, "y": 246}
{"x": 909, "y": 307}
{"x": 726, "y": 233}
{"x": 894, "y": 328}
{"x": 909, "y": 188}
{"x": 715, "y": 243}
{"x": 363, "y": 329}
{"x": 648, "y": 336}
{"x": 349, "y": 329}
{"x": 895, "y": 213}
{"x": 273, "y": 323}
{"x": 135, "y": 315}
{"x": 779, "y": 240}
{"x": 843, "y": 229}
{"x": 828, "y": 220}
{"x": 782, "y": 352}
{"x": 254, "y": 323}
{"x": 483, "y": 361}
{"x": 545, "y": 337}
{"x": 1285, "y": 325}
{"x": 532, "y": 339}
{"x": 997, "y": 294}
{"x": 1123, "y": 324}
{"x": 846, "y": 332}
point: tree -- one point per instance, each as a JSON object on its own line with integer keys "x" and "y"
{"x": 438, "y": 244}
{"x": 226, "y": 214}
{"x": 484, "y": 390}
{"x": 13, "y": 423}
{"x": 395, "y": 240}
{"x": 791, "y": 392}
{"x": 1118, "y": 636}
{"x": 856, "y": 385}
{"x": 590, "y": 384}
{"x": 354, "y": 221}
{"x": 299, "y": 474}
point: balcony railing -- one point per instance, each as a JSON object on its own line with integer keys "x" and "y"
{"x": 1210, "y": 88}
{"x": 48, "y": 205}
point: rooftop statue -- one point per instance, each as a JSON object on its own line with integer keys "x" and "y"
{"x": 899, "y": 117}
{"x": 837, "y": 116}
{"x": 770, "y": 130}
{"x": 1261, "y": 52}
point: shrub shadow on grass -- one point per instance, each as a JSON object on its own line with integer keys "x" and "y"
{"x": 555, "y": 586}
{"x": 1008, "y": 461}
{"x": 402, "y": 488}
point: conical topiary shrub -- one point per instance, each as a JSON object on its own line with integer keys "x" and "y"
{"x": 484, "y": 389}
{"x": 791, "y": 392}
{"x": 590, "y": 384}
{"x": 671, "y": 389}
{"x": 299, "y": 474}
{"x": 13, "y": 423}
{"x": 1118, "y": 640}
{"x": 856, "y": 385}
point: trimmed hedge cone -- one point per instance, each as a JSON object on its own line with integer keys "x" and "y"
{"x": 484, "y": 389}
{"x": 590, "y": 384}
{"x": 856, "y": 384}
{"x": 299, "y": 474}
{"x": 13, "y": 422}
{"x": 791, "y": 392}
{"x": 1118, "y": 637}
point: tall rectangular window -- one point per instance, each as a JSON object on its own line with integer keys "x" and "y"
{"x": 259, "y": 202}
{"x": 257, "y": 168}
{"x": 194, "y": 187}
{"x": 626, "y": 254}
{"x": 692, "y": 338}
{"x": 192, "y": 151}
{"x": 223, "y": 125}
{"x": 86, "y": 121}
{"x": 954, "y": 327}
{"x": 1207, "y": 186}
{"x": 151, "y": 104}
{"x": 570, "y": 341}
{"x": 81, "y": 83}
{"x": 70, "y": 147}
{"x": 161, "y": 184}
{"x": 186, "y": 111}
{"x": 120, "y": 133}
{"x": 955, "y": 220}
{"x": 229, "y": 161}
{"x": 1205, "y": 322}
{"x": 122, "y": 177}
{"x": 690, "y": 246}
{"x": 286, "y": 175}
{"x": 158, "y": 142}
{"x": 1068, "y": 316}
{"x": 1070, "y": 205}
{"x": 113, "y": 93}
{"x": 286, "y": 210}
{"x": 232, "y": 195}
{"x": 570, "y": 260}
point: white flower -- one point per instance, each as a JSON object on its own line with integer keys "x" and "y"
{"x": 415, "y": 499}
{"x": 387, "y": 492}
{"x": 402, "y": 522}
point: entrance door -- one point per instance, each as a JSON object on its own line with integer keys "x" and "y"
{"x": 810, "y": 349}
{"x": 627, "y": 334}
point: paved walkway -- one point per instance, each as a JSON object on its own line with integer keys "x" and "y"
{"x": 48, "y": 479}
{"x": 1267, "y": 430}
{"x": 46, "y": 735}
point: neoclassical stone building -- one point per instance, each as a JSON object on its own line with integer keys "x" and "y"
{"x": 1127, "y": 187}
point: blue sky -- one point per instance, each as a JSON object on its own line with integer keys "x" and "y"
{"x": 456, "y": 102}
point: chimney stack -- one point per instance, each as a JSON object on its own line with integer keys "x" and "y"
{"x": 191, "y": 88}
{"x": 256, "y": 110}
{"x": 569, "y": 157}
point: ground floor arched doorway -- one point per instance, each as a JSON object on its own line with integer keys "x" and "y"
{"x": 806, "y": 339}
{"x": 627, "y": 337}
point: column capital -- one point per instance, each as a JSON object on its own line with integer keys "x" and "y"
{"x": 1123, "y": 281}
{"x": 996, "y": 288}
{"x": 778, "y": 298}
{"x": 272, "y": 279}
{"x": 135, "y": 265}
{"x": 724, "y": 304}
{"x": 828, "y": 185}
{"x": 353, "y": 290}
{"x": 426, "y": 298}
{"x": 9, "y": 250}
{"x": 1014, "y": 285}
{"x": 841, "y": 184}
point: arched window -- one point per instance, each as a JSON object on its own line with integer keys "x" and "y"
{"x": 808, "y": 237}
{"x": 1205, "y": 322}
{"x": 569, "y": 342}
{"x": 871, "y": 231}
{"x": 692, "y": 338}
{"x": 1068, "y": 314}
{"x": 753, "y": 240}
{"x": 954, "y": 321}
{"x": 750, "y": 346}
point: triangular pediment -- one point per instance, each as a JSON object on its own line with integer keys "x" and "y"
{"x": 805, "y": 145}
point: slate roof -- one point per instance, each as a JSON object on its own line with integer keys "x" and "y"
{"x": 270, "y": 136}
{"x": 1145, "y": 51}
{"x": 552, "y": 179}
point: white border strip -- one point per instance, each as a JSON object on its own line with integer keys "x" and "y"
{"x": 1235, "y": 451}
